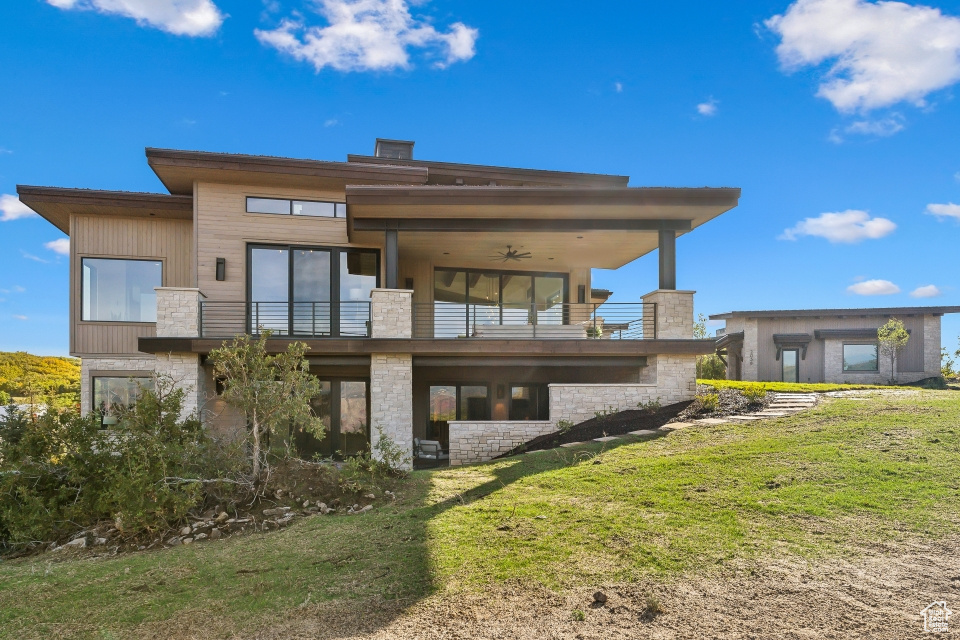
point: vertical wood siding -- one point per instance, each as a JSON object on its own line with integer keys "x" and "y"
{"x": 110, "y": 237}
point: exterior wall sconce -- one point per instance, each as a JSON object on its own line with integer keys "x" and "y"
{"x": 221, "y": 269}
{"x": 581, "y": 293}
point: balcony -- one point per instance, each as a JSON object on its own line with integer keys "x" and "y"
{"x": 285, "y": 319}
{"x": 559, "y": 321}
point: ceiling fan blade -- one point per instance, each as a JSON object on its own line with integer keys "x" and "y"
{"x": 525, "y": 254}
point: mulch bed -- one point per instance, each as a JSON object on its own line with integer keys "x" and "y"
{"x": 615, "y": 424}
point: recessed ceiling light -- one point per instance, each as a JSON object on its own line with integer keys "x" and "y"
{"x": 549, "y": 258}
{"x": 579, "y": 237}
{"x": 446, "y": 253}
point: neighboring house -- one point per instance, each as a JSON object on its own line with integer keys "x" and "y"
{"x": 829, "y": 345}
{"x": 442, "y": 301}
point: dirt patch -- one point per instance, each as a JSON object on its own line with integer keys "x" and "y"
{"x": 878, "y": 594}
{"x": 730, "y": 402}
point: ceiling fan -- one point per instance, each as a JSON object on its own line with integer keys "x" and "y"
{"x": 511, "y": 254}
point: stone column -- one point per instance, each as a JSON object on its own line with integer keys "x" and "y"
{"x": 391, "y": 375}
{"x": 931, "y": 345}
{"x": 676, "y": 374}
{"x": 674, "y": 313}
{"x": 178, "y": 316}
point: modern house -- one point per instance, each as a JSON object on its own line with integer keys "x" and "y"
{"x": 829, "y": 345}
{"x": 439, "y": 300}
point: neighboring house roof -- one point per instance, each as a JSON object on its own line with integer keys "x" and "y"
{"x": 839, "y": 313}
{"x": 474, "y": 174}
{"x": 56, "y": 204}
{"x": 601, "y": 294}
{"x": 178, "y": 170}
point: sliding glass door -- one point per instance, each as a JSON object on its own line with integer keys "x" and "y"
{"x": 343, "y": 407}
{"x": 311, "y": 291}
{"x": 467, "y": 299}
{"x": 455, "y": 402}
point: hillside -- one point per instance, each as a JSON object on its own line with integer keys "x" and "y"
{"x": 697, "y": 533}
{"x": 24, "y": 376}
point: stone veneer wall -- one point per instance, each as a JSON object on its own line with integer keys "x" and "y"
{"x": 391, "y": 399}
{"x": 123, "y": 366}
{"x": 391, "y": 313}
{"x": 472, "y": 442}
{"x": 178, "y": 316}
{"x": 674, "y": 313}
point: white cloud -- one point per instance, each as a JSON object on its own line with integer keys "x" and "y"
{"x": 368, "y": 35}
{"x": 845, "y": 226}
{"x": 879, "y": 53}
{"x": 30, "y": 256}
{"x": 942, "y": 211}
{"x": 4, "y": 151}
{"x": 874, "y": 288}
{"x": 332, "y": 122}
{"x": 18, "y": 288}
{"x": 929, "y": 291}
{"x": 11, "y": 208}
{"x": 618, "y": 87}
{"x": 708, "y": 108}
{"x": 18, "y": 317}
{"x": 60, "y": 245}
{"x": 956, "y": 176}
{"x": 179, "y": 17}
{"x": 882, "y": 127}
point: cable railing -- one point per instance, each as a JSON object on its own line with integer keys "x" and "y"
{"x": 558, "y": 321}
{"x": 286, "y": 319}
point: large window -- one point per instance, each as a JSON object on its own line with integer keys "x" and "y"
{"x": 342, "y": 407}
{"x": 311, "y": 291}
{"x": 115, "y": 290}
{"x": 113, "y": 394}
{"x": 860, "y": 357}
{"x": 529, "y": 402}
{"x": 466, "y": 299}
{"x": 455, "y": 402}
{"x": 286, "y": 207}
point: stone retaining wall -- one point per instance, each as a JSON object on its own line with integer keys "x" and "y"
{"x": 472, "y": 442}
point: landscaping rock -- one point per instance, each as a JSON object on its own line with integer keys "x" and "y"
{"x": 279, "y": 511}
{"x": 76, "y": 543}
{"x": 216, "y": 534}
{"x": 187, "y": 541}
{"x": 100, "y": 542}
{"x": 174, "y": 541}
{"x": 200, "y": 536}
{"x": 223, "y": 517}
{"x": 370, "y": 496}
{"x": 186, "y": 531}
{"x": 599, "y": 597}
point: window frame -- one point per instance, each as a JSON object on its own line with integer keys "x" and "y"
{"x": 338, "y": 207}
{"x": 543, "y": 399}
{"x": 115, "y": 375}
{"x": 163, "y": 283}
{"x": 843, "y": 357}
{"x": 335, "y": 252}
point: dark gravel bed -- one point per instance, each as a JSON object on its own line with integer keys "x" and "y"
{"x": 732, "y": 403}
{"x": 615, "y": 424}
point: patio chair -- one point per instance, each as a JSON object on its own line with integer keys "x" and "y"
{"x": 429, "y": 450}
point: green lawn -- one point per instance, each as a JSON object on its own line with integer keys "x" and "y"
{"x": 790, "y": 387}
{"x": 851, "y": 472}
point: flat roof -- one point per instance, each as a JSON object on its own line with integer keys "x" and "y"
{"x": 56, "y": 204}
{"x": 838, "y": 313}
{"x": 448, "y": 172}
{"x": 178, "y": 169}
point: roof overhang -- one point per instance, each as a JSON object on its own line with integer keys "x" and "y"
{"x": 839, "y": 313}
{"x": 56, "y": 204}
{"x": 579, "y": 226}
{"x": 447, "y": 173}
{"x": 178, "y": 170}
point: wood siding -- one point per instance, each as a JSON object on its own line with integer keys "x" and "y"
{"x": 224, "y": 230}
{"x": 167, "y": 240}
{"x": 812, "y": 368}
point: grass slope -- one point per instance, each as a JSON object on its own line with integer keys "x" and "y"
{"x": 852, "y": 472}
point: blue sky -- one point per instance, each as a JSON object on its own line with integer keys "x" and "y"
{"x": 843, "y": 107}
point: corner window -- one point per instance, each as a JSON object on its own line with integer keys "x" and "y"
{"x": 113, "y": 394}
{"x": 114, "y": 290}
{"x": 860, "y": 357}
{"x": 284, "y": 207}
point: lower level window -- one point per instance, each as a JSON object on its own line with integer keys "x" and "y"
{"x": 455, "y": 402}
{"x": 113, "y": 394}
{"x": 529, "y": 402}
{"x": 860, "y": 357}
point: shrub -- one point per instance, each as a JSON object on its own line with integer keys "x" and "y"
{"x": 754, "y": 393}
{"x": 650, "y": 406}
{"x": 564, "y": 426}
{"x": 63, "y": 472}
{"x": 371, "y": 470}
{"x": 708, "y": 402}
